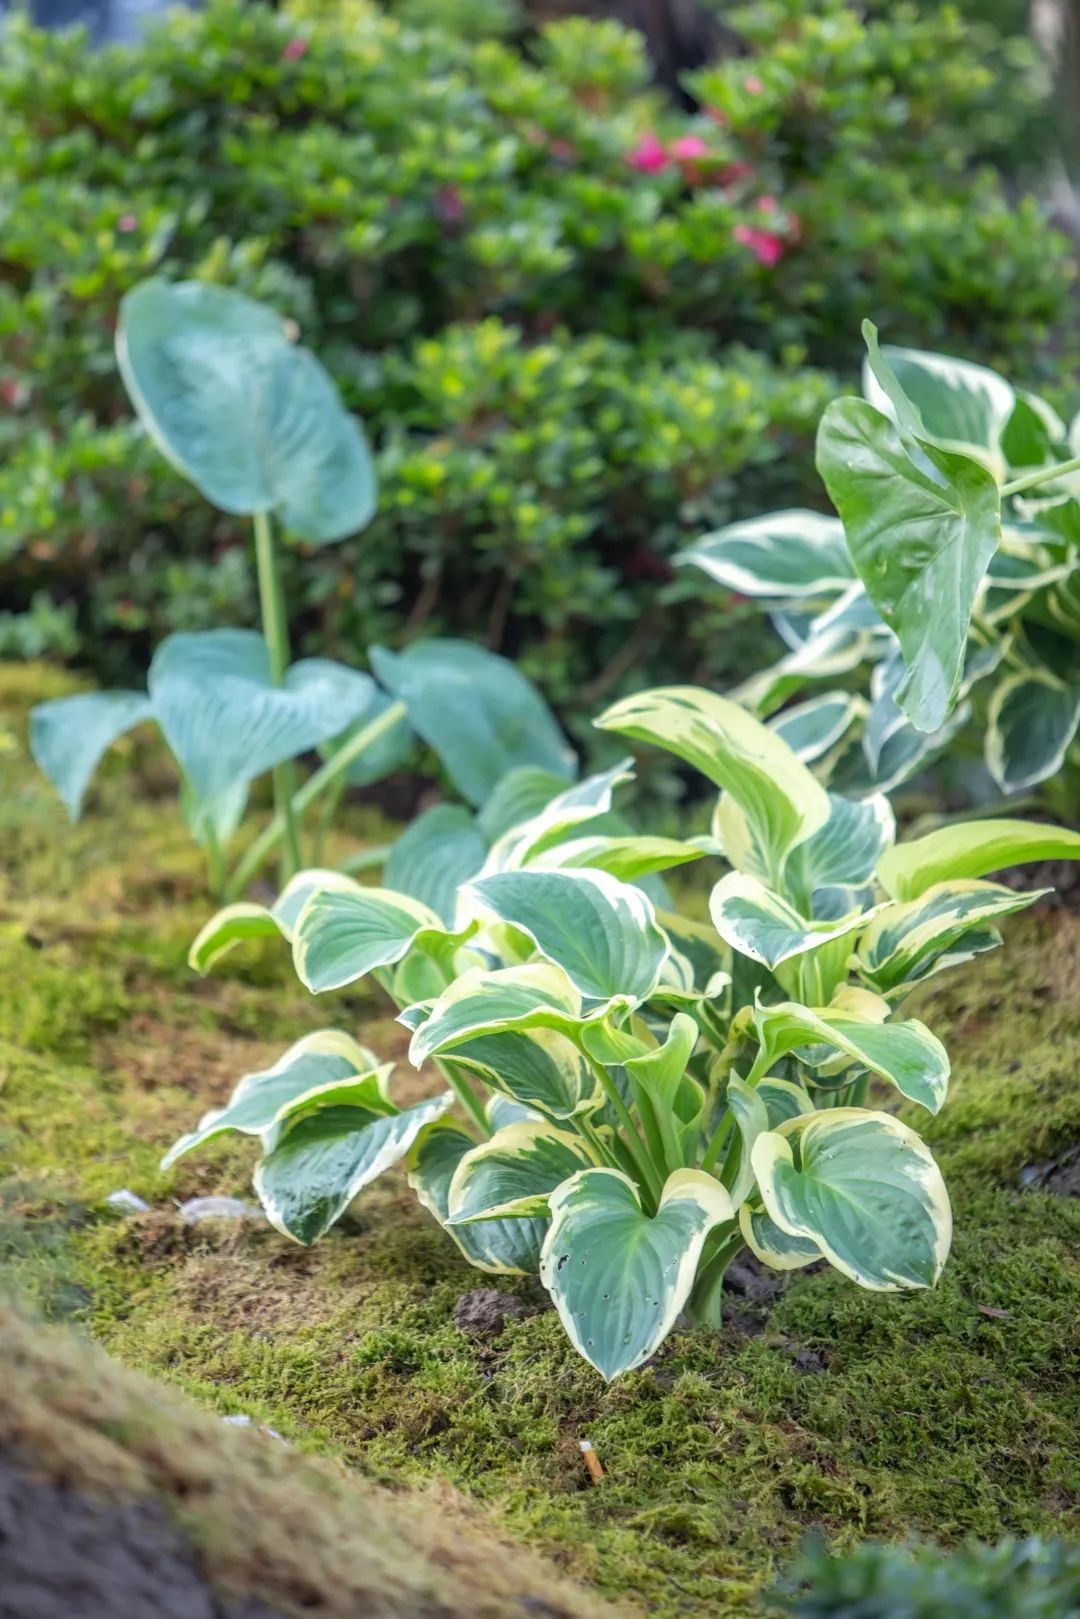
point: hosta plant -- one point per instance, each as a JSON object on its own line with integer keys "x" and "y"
{"x": 951, "y": 569}
{"x": 256, "y": 424}
{"x": 644, "y": 1093}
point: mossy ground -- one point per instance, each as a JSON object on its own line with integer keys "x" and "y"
{"x": 844, "y": 1411}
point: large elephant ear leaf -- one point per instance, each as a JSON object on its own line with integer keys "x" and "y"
{"x": 69, "y": 735}
{"x": 865, "y": 1189}
{"x": 958, "y": 405}
{"x": 252, "y": 420}
{"x": 225, "y": 719}
{"x": 971, "y": 849}
{"x": 782, "y": 802}
{"x": 618, "y": 1277}
{"x": 477, "y": 711}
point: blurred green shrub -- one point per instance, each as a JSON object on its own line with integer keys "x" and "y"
{"x": 1016, "y": 1579}
{"x": 582, "y": 325}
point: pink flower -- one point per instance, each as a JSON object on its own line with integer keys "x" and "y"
{"x": 689, "y": 147}
{"x": 649, "y": 155}
{"x": 294, "y": 50}
{"x": 768, "y": 205}
{"x": 767, "y": 248}
{"x": 127, "y": 223}
{"x": 753, "y": 85}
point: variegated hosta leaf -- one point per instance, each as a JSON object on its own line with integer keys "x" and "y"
{"x": 811, "y": 728}
{"x": 344, "y": 933}
{"x": 572, "y": 808}
{"x": 618, "y": 1277}
{"x": 782, "y": 802}
{"x": 971, "y": 849}
{"x": 513, "y": 1175}
{"x": 825, "y": 654}
{"x": 776, "y": 1248}
{"x": 500, "y": 1247}
{"x": 865, "y": 1189}
{"x": 603, "y": 933}
{"x": 441, "y": 849}
{"x": 762, "y": 925}
{"x": 320, "y": 1160}
{"x": 535, "y": 995}
{"x": 846, "y": 850}
{"x": 906, "y": 1054}
{"x": 783, "y": 1099}
{"x": 904, "y": 752}
{"x": 69, "y": 735}
{"x": 540, "y": 1068}
{"x": 907, "y": 942}
{"x": 626, "y": 858}
{"x": 751, "y": 1120}
{"x": 960, "y": 405}
{"x": 319, "y": 1065}
{"x": 659, "y": 1082}
{"x": 246, "y": 920}
{"x": 225, "y": 719}
{"x": 789, "y": 555}
{"x": 1033, "y": 718}
{"x": 518, "y": 796}
{"x": 477, "y": 711}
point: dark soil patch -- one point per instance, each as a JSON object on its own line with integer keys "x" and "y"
{"x": 1061, "y": 1176}
{"x": 484, "y": 1311}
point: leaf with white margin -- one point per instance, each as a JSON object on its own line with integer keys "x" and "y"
{"x": 519, "y": 796}
{"x": 971, "y": 849}
{"x": 846, "y": 850}
{"x": 513, "y": 1175}
{"x": 69, "y": 735}
{"x": 344, "y": 933}
{"x": 906, "y": 1054}
{"x": 322, "y": 1160}
{"x": 315, "y": 1066}
{"x": 618, "y": 1277}
{"x": 441, "y": 849}
{"x": 572, "y": 808}
{"x": 863, "y": 1187}
{"x": 783, "y": 1099}
{"x": 1032, "y": 720}
{"x": 535, "y": 995}
{"x": 626, "y": 858}
{"x": 822, "y": 656}
{"x": 762, "y": 925}
{"x": 246, "y": 920}
{"x": 960, "y": 405}
{"x": 477, "y": 711}
{"x": 499, "y": 1247}
{"x": 906, "y": 942}
{"x": 789, "y": 554}
{"x": 539, "y": 1068}
{"x": 751, "y": 1120}
{"x": 775, "y": 1248}
{"x": 225, "y": 719}
{"x": 811, "y": 728}
{"x": 254, "y": 421}
{"x": 601, "y": 932}
{"x": 782, "y": 802}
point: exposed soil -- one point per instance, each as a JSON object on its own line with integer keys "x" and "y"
{"x": 1061, "y": 1176}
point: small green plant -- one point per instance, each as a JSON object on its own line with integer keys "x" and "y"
{"x": 952, "y": 568}
{"x": 257, "y": 426}
{"x": 661, "y": 1091}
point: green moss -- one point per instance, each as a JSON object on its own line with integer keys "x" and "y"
{"x": 846, "y": 1411}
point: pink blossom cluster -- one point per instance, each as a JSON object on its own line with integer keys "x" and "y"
{"x": 768, "y": 242}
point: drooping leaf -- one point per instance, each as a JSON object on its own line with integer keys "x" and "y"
{"x": 811, "y": 728}
{"x": 906, "y": 1054}
{"x": 322, "y": 1160}
{"x": 224, "y": 718}
{"x": 582, "y": 805}
{"x": 1033, "y": 719}
{"x": 254, "y": 421}
{"x": 762, "y": 925}
{"x": 500, "y": 1247}
{"x": 971, "y": 849}
{"x": 780, "y": 799}
{"x": 619, "y": 1278}
{"x": 539, "y": 1067}
{"x": 603, "y": 933}
{"x": 904, "y": 942}
{"x": 477, "y": 711}
{"x": 246, "y": 920}
{"x": 865, "y": 1189}
{"x": 318, "y": 1065}
{"x": 344, "y": 933}
{"x": 776, "y": 1248}
{"x": 514, "y": 1173}
{"x": 535, "y": 995}
{"x": 788, "y": 555}
{"x": 68, "y": 736}
{"x": 435, "y": 854}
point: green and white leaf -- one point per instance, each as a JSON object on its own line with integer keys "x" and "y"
{"x": 514, "y": 1174}
{"x": 246, "y": 920}
{"x": 776, "y": 1248}
{"x": 960, "y": 405}
{"x": 790, "y": 555}
{"x": 441, "y": 849}
{"x": 626, "y": 858}
{"x": 905, "y": 1054}
{"x": 519, "y": 796}
{"x": 865, "y": 1189}
{"x": 570, "y": 810}
{"x": 344, "y": 933}
{"x": 69, "y": 735}
{"x": 906, "y": 942}
{"x": 971, "y": 849}
{"x": 539, "y": 1068}
{"x": 1032, "y": 721}
{"x": 811, "y": 728}
{"x": 500, "y": 1247}
{"x": 619, "y": 1278}
{"x": 762, "y": 925}
{"x": 535, "y": 995}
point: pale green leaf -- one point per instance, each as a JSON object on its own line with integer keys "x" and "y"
{"x": 441, "y": 849}
{"x": 906, "y": 1054}
{"x": 68, "y": 736}
{"x": 971, "y": 849}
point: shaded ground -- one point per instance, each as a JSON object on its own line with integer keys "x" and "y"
{"x": 943, "y": 1413}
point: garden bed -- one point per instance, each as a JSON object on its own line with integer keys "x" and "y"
{"x": 817, "y": 1406}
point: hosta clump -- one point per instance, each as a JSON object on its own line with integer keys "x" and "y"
{"x": 951, "y": 569}
{"x": 659, "y": 1091}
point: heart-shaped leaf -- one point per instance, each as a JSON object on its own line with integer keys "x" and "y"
{"x": 69, "y": 735}
{"x": 865, "y": 1189}
{"x": 514, "y": 1173}
{"x": 252, "y": 420}
{"x": 619, "y": 1278}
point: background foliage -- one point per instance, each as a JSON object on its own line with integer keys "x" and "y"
{"x": 582, "y": 326}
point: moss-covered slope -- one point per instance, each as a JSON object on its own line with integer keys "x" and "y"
{"x": 942, "y": 1413}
